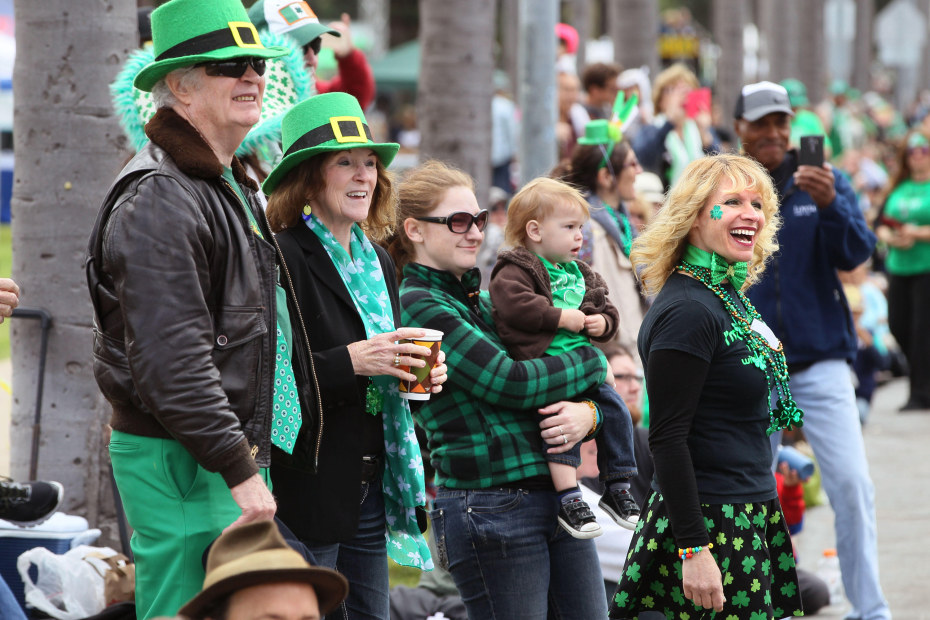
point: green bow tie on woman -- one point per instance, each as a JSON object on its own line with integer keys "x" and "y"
{"x": 719, "y": 268}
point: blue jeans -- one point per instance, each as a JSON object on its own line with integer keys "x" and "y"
{"x": 9, "y": 607}
{"x": 831, "y": 425}
{"x": 362, "y": 560}
{"x": 615, "y": 458}
{"x": 510, "y": 559}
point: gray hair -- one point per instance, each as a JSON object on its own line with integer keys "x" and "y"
{"x": 187, "y": 76}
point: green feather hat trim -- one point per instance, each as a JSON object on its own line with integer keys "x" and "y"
{"x": 286, "y": 84}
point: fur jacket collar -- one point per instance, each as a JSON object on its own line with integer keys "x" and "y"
{"x": 188, "y": 148}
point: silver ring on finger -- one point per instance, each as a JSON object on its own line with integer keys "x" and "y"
{"x": 561, "y": 432}
{"x": 564, "y": 439}
{"x": 397, "y": 359}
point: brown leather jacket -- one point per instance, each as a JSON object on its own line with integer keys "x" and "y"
{"x": 184, "y": 303}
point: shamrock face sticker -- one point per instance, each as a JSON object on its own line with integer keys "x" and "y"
{"x": 716, "y": 213}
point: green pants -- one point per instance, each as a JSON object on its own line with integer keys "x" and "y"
{"x": 176, "y": 508}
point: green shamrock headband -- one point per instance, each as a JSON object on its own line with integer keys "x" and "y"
{"x": 607, "y": 133}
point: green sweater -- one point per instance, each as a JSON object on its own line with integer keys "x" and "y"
{"x": 483, "y": 428}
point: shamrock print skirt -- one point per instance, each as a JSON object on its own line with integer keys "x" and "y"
{"x": 751, "y": 546}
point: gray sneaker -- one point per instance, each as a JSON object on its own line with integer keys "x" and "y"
{"x": 576, "y": 518}
{"x": 621, "y": 507}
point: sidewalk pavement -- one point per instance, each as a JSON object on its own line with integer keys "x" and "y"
{"x": 896, "y": 447}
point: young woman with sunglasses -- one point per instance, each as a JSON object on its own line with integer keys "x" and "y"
{"x": 347, "y": 475}
{"x": 904, "y": 226}
{"x": 495, "y": 515}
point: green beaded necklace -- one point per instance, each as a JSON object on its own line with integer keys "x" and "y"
{"x": 769, "y": 359}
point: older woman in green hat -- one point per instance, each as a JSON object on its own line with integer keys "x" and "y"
{"x": 351, "y": 486}
{"x": 190, "y": 321}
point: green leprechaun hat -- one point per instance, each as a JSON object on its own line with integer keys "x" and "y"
{"x": 187, "y": 32}
{"x": 596, "y": 132}
{"x": 286, "y": 83}
{"x": 294, "y": 18}
{"x": 324, "y": 124}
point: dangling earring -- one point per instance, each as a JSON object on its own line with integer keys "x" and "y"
{"x": 306, "y": 213}
{"x": 716, "y": 213}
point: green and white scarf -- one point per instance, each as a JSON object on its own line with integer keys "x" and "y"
{"x": 683, "y": 150}
{"x": 403, "y": 483}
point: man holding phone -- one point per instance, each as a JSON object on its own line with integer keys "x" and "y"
{"x": 802, "y": 300}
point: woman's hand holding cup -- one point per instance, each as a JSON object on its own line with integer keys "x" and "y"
{"x": 383, "y": 354}
{"x": 430, "y": 371}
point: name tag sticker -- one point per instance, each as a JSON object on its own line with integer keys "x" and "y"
{"x": 766, "y": 332}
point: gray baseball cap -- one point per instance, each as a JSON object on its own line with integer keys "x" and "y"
{"x": 757, "y": 100}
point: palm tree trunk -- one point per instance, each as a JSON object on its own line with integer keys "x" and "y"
{"x": 862, "y": 45}
{"x": 729, "y": 16}
{"x": 68, "y": 149}
{"x": 634, "y": 27}
{"x": 455, "y": 87}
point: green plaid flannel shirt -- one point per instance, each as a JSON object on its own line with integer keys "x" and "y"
{"x": 483, "y": 428}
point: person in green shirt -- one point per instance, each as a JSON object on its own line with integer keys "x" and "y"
{"x": 904, "y": 225}
{"x": 546, "y": 301}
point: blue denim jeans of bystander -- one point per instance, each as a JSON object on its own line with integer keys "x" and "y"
{"x": 511, "y": 560}
{"x": 831, "y": 425}
{"x": 362, "y": 560}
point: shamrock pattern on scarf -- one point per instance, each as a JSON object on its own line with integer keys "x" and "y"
{"x": 403, "y": 480}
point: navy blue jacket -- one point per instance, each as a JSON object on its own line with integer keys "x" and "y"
{"x": 800, "y": 296}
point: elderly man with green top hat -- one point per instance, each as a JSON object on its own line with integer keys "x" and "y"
{"x": 192, "y": 342}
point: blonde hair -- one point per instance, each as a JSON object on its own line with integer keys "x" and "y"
{"x": 421, "y": 191}
{"x": 669, "y": 77}
{"x": 659, "y": 249}
{"x": 536, "y": 201}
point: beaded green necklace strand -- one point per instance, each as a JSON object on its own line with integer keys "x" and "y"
{"x": 771, "y": 361}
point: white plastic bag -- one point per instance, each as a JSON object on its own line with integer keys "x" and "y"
{"x": 68, "y": 586}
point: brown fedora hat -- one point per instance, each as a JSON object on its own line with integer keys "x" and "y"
{"x": 255, "y": 554}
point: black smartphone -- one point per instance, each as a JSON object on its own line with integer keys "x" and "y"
{"x": 810, "y": 152}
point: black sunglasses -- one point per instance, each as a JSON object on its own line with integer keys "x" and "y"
{"x": 314, "y": 45}
{"x": 460, "y": 222}
{"x": 233, "y": 68}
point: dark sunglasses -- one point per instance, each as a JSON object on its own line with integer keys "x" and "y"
{"x": 460, "y": 222}
{"x": 314, "y": 45}
{"x": 923, "y": 150}
{"x": 233, "y": 68}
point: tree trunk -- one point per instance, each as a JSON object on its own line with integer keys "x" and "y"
{"x": 536, "y": 90}
{"x": 376, "y": 13}
{"x": 581, "y": 20}
{"x": 509, "y": 40}
{"x": 456, "y": 85}
{"x": 634, "y": 27}
{"x": 862, "y": 45}
{"x": 812, "y": 58}
{"x": 729, "y": 16}
{"x": 784, "y": 36}
{"x": 69, "y": 147}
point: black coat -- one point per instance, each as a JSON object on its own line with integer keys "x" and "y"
{"x": 317, "y": 487}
